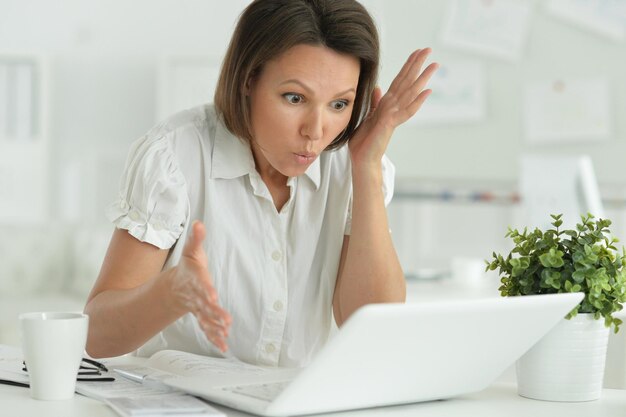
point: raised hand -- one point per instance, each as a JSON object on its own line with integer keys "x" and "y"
{"x": 403, "y": 99}
{"x": 192, "y": 289}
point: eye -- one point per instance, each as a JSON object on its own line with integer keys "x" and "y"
{"x": 339, "y": 105}
{"x": 293, "y": 98}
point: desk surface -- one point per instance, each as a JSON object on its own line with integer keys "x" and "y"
{"x": 497, "y": 400}
{"x": 500, "y": 399}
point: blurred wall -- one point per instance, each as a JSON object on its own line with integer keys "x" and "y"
{"x": 489, "y": 149}
{"x": 102, "y": 59}
{"x": 103, "y": 56}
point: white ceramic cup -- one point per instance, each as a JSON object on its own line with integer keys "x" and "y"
{"x": 53, "y": 345}
{"x": 468, "y": 271}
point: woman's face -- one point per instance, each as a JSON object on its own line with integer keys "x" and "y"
{"x": 300, "y": 102}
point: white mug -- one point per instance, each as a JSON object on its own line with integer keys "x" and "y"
{"x": 53, "y": 345}
{"x": 469, "y": 271}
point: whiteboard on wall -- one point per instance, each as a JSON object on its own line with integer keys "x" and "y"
{"x": 552, "y": 184}
{"x": 497, "y": 28}
{"x": 604, "y": 17}
{"x": 565, "y": 110}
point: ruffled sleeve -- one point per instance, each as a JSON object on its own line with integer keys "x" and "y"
{"x": 389, "y": 174}
{"x": 153, "y": 203}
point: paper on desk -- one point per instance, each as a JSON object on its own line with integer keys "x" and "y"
{"x": 168, "y": 367}
{"x": 170, "y": 405}
{"x": 187, "y": 364}
{"x": 11, "y": 364}
{"x": 129, "y": 398}
{"x": 121, "y": 391}
{"x": 170, "y": 364}
{"x": 119, "y": 388}
{"x": 10, "y": 358}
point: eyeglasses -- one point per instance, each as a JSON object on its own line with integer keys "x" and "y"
{"x": 90, "y": 368}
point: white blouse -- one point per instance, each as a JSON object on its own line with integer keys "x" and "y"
{"x": 274, "y": 272}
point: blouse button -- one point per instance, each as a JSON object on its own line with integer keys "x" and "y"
{"x": 276, "y": 256}
{"x": 278, "y": 306}
{"x": 123, "y": 205}
{"x": 270, "y": 348}
{"x": 134, "y": 215}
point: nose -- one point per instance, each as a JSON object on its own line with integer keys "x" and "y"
{"x": 313, "y": 125}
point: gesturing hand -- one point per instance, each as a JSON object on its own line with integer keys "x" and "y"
{"x": 403, "y": 99}
{"x": 193, "y": 291}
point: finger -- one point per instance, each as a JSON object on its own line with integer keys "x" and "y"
{"x": 193, "y": 247}
{"x": 215, "y": 337}
{"x": 223, "y": 316}
{"x": 416, "y": 88}
{"x": 414, "y": 69}
{"x": 415, "y": 105}
{"x": 404, "y": 70}
{"x": 214, "y": 333}
{"x": 209, "y": 327}
{"x": 426, "y": 75}
{"x": 214, "y": 323}
{"x": 221, "y": 345}
{"x": 214, "y": 312}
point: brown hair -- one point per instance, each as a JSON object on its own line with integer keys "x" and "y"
{"x": 267, "y": 28}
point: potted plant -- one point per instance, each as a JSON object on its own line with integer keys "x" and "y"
{"x": 557, "y": 261}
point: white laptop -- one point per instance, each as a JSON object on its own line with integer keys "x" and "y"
{"x": 389, "y": 354}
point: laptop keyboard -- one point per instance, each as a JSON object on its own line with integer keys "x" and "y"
{"x": 266, "y": 392}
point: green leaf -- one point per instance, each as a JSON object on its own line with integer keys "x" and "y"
{"x": 552, "y": 259}
{"x": 578, "y": 276}
{"x": 584, "y": 259}
{"x": 568, "y": 286}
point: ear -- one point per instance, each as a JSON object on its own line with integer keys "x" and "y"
{"x": 250, "y": 83}
{"x": 375, "y": 99}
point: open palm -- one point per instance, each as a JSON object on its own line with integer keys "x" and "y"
{"x": 403, "y": 99}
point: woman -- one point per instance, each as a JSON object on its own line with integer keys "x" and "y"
{"x": 291, "y": 224}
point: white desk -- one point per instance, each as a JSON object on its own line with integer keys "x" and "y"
{"x": 500, "y": 399}
{"x": 497, "y": 400}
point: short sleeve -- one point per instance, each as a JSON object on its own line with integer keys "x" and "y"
{"x": 153, "y": 203}
{"x": 389, "y": 173}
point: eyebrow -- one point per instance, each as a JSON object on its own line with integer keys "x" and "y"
{"x": 303, "y": 85}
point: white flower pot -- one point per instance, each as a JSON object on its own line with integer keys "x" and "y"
{"x": 567, "y": 364}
